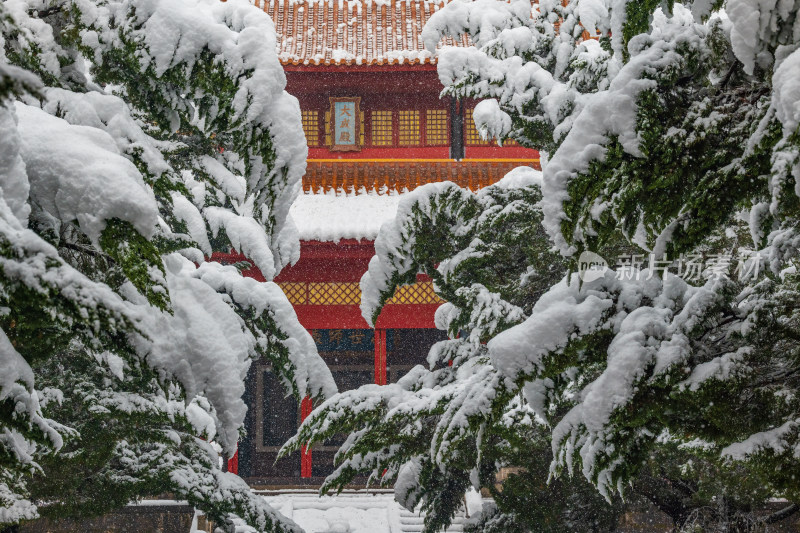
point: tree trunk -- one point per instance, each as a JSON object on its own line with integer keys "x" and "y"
{"x": 666, "y": 496}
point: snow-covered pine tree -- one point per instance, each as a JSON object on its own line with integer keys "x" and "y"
{"x": 490, "y": 259}
{"x": 669, "y": 126}
{"x": 686, "y": 125}
{"x": 138, "y": 138}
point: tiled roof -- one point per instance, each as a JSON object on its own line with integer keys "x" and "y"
{"x": 352, "y": 32}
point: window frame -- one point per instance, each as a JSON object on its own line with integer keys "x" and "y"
{"x": 446, "y": 127}
{"x": 392, "y": 129}
{"x": 319, "y": 138}
{"x": 414, "y": 120}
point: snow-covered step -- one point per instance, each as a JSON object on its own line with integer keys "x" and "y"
{"x": 353, "y": 512}
{"x": 415, "y": 523}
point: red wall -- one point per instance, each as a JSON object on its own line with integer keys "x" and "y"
{"x": 343, "y": 262}
{"x": 383, "y": 88}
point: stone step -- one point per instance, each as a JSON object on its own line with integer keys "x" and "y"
{"x": 415, "y": 523}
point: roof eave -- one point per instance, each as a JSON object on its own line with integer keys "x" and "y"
{"x": 352, "y": 66}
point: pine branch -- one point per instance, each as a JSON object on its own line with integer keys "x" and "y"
{"x": 87, "y": 250}
{"x": 783, "y": 514}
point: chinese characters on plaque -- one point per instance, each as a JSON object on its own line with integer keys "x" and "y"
{"x": 346, "y": 123}
{"x": 344, "y": 113}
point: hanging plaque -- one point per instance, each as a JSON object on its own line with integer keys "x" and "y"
{"x": 346, "y": 127}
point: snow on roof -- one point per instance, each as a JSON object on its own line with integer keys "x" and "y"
{"x": 353, "y": 32}
{"x": 335, "y": 215}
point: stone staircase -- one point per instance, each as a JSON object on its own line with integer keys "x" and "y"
{"x": 413, "y": 523}
{"x": 373, "y": 511}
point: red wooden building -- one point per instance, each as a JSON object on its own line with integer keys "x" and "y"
{"x": 376, "y": 127}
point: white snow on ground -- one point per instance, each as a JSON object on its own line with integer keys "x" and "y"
{"x": 365, "y": 514}
{"x": 335, "y": 215}
{"x": 350, "y": 512}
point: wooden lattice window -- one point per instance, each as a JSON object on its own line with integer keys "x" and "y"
{"x": 334, "y": 294}
{"x": 349, "y": 293}
{"x": 473, "y": 138}
{"x": 418, "y": 293}
{"x": 295, "y": 292}
{"x": 436, "y": 127}
{"x": 382, "y": 128}
{"x": 311, "y": 127}
{"x": 408, "y": 128}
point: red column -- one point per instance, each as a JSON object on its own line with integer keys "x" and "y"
{"x": 380, "y": 356}
{"x": 305, "y": 454}
{"x": 233, "y": 463}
